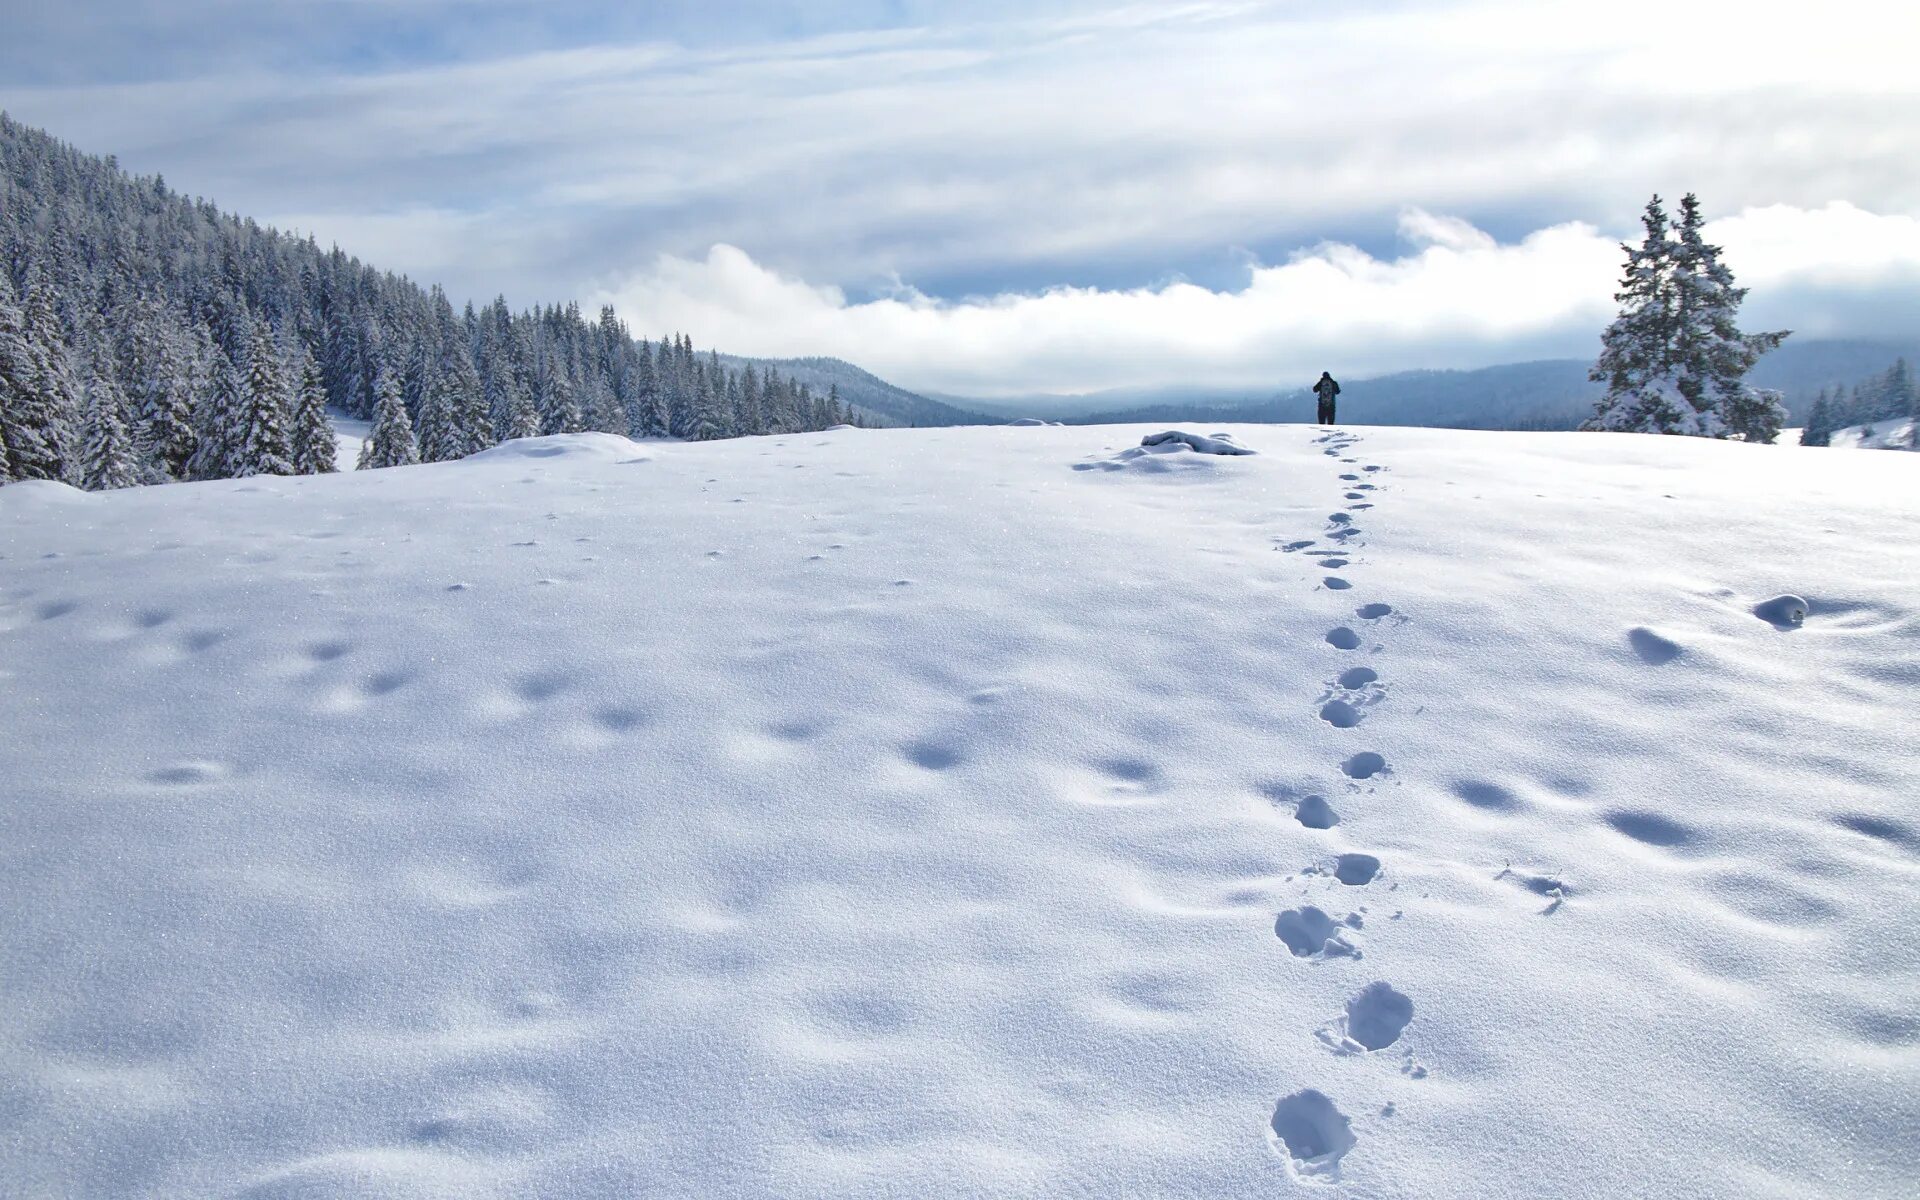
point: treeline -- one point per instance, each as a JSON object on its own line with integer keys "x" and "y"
{"x": 1887, "y": 396}
{"x": 146, "y": 337}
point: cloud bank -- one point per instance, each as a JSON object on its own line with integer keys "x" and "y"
{"x": 1076, "y": 192}
{"x": 1456, "y": 298}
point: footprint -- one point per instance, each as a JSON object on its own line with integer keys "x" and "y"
{"x": 1290, "y": 547}
{"x": 1314, "y": 1134}
{"x": 1364, "y": 765}
{"x": 59, "y": 608}
{"x": 1131, "y": 773}
{"x": 1349, "y": 478}
{"x": 1355, "y": 496}
{"x": 385, "y": 683}
{"x": 327, "y": 651}
{"x": 1651, "y": 647}
{"x": 1356, "y": 870}
{"x": 187, "y": 773}
{"x": 1340, "y": 518}
{"x": 1315, "y": 813}
{"x": 1373, "y": 612}
{"x": 932, "y": 756}
{"x": 1650, "y": 827}
{"x": 1333, "y": 563}
{"x": 1489, "y": 796}
{"x": 1340, "y": 714}
{"x": 1879, "y": 828}
{"x": 1354, "y": 678}
{"x": 544, "y": 685}
{"x": 1335, "y": 583}
{"x": 1310, "y": 933}
{"x": 1378, "y": 1015}
{"x": 152, "y": 618}
{"x": 619, "y": 720}
{"x": 1342, "y": 638}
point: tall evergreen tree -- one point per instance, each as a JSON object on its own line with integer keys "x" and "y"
{"x": 31, "y": 422}
{"x": 390, "y": 442}
{"x": 1713, "y": 355}
{"x": 57, "y": 389}
{"x": 1674, "y": 361}
{"x": 161, "y": 379}
{"x": 218, "y": 416}
{"x": 314, "y": 450}
{"x": 559, "y": 408}
{"x": 265, "y": 446}
{"x": 107, "y": 458}
{"x": 1819, "y": 427}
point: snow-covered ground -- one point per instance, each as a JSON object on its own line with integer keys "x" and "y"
{"x": 349, "y": 434}
{"x": 1893, "y": 434}
{"x": 925, "y": 813}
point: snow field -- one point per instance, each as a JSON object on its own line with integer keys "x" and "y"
{"x": 922, "y": 813}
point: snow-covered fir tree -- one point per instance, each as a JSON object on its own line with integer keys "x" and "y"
{"x": 265, "y": 448}
{"x": 1818, "y": 430}
{"x": 559, "y": 407}
{"x": 33, "y": 426}
{"x": 159, "y": 382}
{"x": 108, "y": 459}
{"x": 218, "y": 416}
{"x": 1674, "y": 360}
{"x": 314, "y": 450}
{"x": 390, "y": 442}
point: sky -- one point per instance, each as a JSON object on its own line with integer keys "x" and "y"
{"x": 1056, "y": 196}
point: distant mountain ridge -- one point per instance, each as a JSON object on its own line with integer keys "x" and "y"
{"x": 865, "y": 391}
{"x": 1544, "y": 394}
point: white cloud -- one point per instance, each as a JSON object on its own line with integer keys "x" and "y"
{"x": 1457, "y": 298}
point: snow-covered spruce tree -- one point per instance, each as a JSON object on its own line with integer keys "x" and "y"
{"x": 314, "y": 450}
{"x": 1818, "y": 430}
{"x": 559, "y": 408}
{"x": 265, "y": 447}
{"x": 216, "y": 418}
{"x": 390, "y": 443}
{"x": 160, "y": 377}
{"x": 32, "y": 424}
{"x": 1714, "y": 355}
{"x": 108, "y": 460}
{"x": 39, "y": 406}
{"x": 1674, "y": 361}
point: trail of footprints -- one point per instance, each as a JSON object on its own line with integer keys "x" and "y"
{"x": 1307, "y": 1127}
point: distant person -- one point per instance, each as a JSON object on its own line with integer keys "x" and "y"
{"x": 1326, "y": 389}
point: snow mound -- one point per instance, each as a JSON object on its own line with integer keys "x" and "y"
{"x": 1782, "y": 612}
{"x": 1169, "y": 450}
{"x": 1894, "y": 433}
{"x": 39, "y": 495}
{"x": 1219, "y": 443}
{"x": 574, "y": 447}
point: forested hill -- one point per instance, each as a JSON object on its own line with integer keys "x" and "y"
{"x": 146, "y": 337}
{"x": 867, "y": 391}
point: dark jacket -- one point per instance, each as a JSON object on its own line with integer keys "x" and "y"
{"x": 1326, "y": 388}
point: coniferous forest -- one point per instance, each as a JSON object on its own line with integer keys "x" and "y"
{"x": 146, "y": 337}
